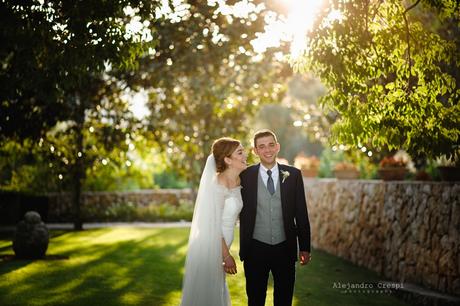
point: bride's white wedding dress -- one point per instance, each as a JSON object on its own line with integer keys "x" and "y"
{"x": 232, "y": 205}
{"x": 231, "y": 209}
{"x": 216, "y": 212}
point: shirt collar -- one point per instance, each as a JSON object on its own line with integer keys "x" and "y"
{"x": 274, "y": 169}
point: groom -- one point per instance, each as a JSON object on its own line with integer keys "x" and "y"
{"x": 273, "y": 222}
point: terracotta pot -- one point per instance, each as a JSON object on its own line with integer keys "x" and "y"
{"x": 392, "y": 173}
{"x": 449, "y": 173}
{"x": 346, "y": 174}
{"x": 312, "y": 172}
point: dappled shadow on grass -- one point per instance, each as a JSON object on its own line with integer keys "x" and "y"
{"x": 6, "y": 247}
{"x": 7, "y": 238}
{"x": 7, "y": 266}
{"x": 132, "y": 266}
{"x": 8, "y": 261}
{"x": 8, "y": 235}
{"x": 11, "y": 263}
{"x": 10, "y": 257}
{"x": 142, "y": 269}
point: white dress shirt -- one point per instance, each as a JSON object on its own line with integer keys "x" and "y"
{"x": 264, "y": 175}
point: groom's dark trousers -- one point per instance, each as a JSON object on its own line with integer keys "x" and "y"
{"x": 262, "y": 259}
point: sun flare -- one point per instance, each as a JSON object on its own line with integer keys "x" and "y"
{"x": 293, "y": 27}
{"x": 299, "y": 21}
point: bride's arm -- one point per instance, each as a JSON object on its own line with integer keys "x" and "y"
{"x": 228, "y": 260}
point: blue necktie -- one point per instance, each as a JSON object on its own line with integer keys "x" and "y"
{"x": 270, "y": 184}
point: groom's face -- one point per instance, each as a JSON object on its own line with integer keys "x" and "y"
{"x": 267, "y": 149}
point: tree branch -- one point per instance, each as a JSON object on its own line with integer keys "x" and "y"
{"x": 409, "y": 60}
{"x": 411, "y": 7}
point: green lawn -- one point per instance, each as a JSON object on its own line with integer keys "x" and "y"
{"x": 140, "y": 266}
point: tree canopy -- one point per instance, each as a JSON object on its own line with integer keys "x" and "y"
{"x": 204, "y": 79}
{"x": 57, "y": 59}
{"x": 53, "y": 50}
{"x": 66, "y": 64}
{"x": 392, "y": 73}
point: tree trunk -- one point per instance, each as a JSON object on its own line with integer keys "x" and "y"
{"x": 79, "y": 165}
{"x": 77, "y": 222}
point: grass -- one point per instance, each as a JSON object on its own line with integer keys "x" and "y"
{"x": 144, "y": 266}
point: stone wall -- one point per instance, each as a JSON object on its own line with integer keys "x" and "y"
{"x": 60, "y": 205}
{"x": 406, "y": 231}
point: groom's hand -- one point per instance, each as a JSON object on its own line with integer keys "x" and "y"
{"x": 305, "y": 257}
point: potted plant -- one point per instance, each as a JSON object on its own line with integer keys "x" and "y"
{"x": 346, "y": 171}
{"x": 449, "y": 170}
{"x": 392, "y": 168}
{"x": 309, "y": 165}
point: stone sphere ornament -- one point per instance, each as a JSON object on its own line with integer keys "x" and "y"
{"x": 31, "y": 237}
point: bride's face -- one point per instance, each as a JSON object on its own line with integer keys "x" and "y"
{"x": 237, "y": 160}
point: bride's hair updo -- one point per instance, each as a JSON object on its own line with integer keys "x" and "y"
{"x": 221, "y": 148}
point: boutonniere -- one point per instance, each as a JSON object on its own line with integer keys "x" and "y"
{"x": 285, "y": 175}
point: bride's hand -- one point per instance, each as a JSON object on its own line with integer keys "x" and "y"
{"x": 229, "y": 265}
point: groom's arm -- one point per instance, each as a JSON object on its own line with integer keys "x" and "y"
{"x": 302, "y": 221}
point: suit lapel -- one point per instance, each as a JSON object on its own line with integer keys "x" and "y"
{"x": 255, "y": 180}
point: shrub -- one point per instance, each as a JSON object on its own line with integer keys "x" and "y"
{"x": 166, "y": 212}
{"x": 129, "y": 212}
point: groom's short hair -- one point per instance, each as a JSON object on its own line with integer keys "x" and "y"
{"x": 264, "y": 133}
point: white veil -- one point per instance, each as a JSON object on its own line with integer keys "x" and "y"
{"x": 203, "y": 282}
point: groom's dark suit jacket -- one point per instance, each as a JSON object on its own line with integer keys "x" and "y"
{"x": 295, "y": 215}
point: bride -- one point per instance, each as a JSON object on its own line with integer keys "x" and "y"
{"x": 217, "y": 207}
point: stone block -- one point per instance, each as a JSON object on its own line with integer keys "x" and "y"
{"x": 447, "y": 264}
{"x": 427, "y": 219}
{"x": 431, "y": 280}
{"x": 426, "y": 189}
{"x": 435, "y": 242}
{"x": 421, "y": 234}
{"x": 31, "y": 237}
{"x": 456, "y": 286}
{"x": 419, "y": 268}
{"x": 413, "y": 252}
{"x": 409, "y": 274}
{"x": 435, "y": 254}
{"x": 455, "y": 215}
{"x": 402, "y": 251}
{"x": 442, "y": 283}
{"x": 458, "y": 263}
{"x": 431, "y": 263}
{"x": 401, "y": 268}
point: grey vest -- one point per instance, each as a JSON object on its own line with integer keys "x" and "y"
{"x": 269, "y": 227}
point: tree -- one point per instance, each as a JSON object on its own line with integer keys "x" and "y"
{"x": 55, "y": 56}
{"x": 308, "y": 114}
{"x": 204, "y": 79}
{"x": 393, "y": 80}
{"x": 25, "y": 168}
{"x": 293, "y": 140}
